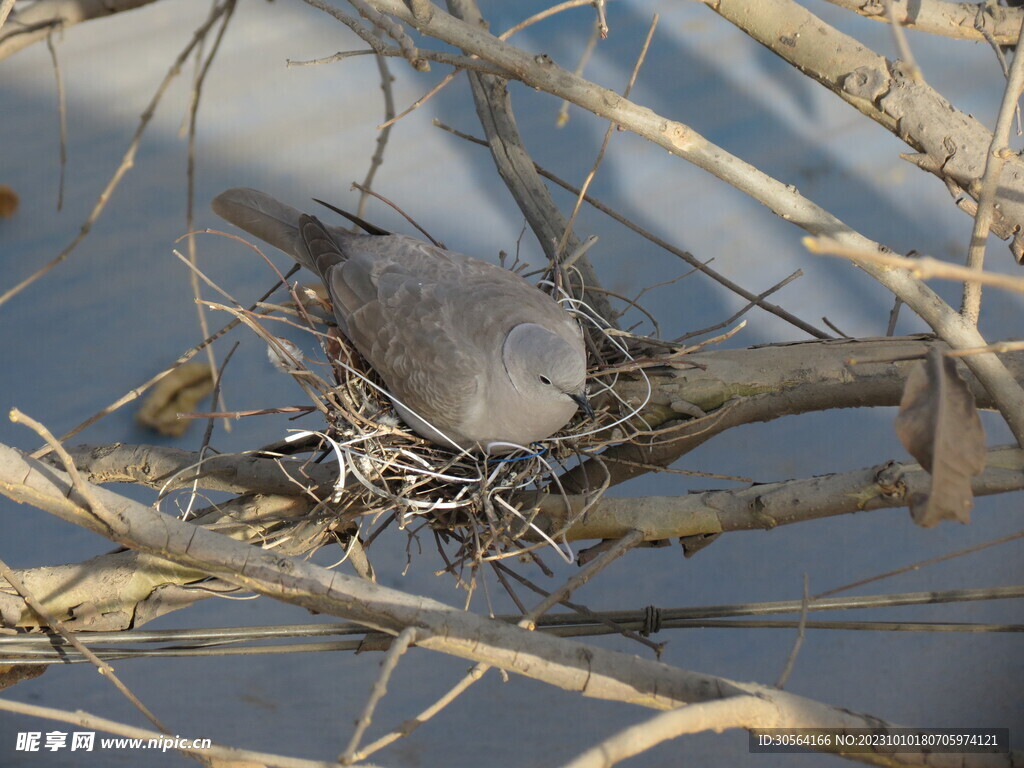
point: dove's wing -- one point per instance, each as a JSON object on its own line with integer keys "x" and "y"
{"x": 404, "y": 324}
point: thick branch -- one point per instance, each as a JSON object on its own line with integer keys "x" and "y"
{"x": 168, "y": 469}
{"x": 38, "y": 19}
{"x": 590, "y": 670}
{"x": 950, "y": 143}
{"x": 121, "y": 590}
{"x": 761, "y": 507}
{"x": 745, "y": 386}
{"x": 938, "y": 17}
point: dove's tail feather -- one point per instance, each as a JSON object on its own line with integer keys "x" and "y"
{"x": 261, "y": 215}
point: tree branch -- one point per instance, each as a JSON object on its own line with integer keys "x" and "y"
{"x": 36, "y": 21}
{"x": 950, "y": 144}
{"x": 759, "y": 507}
{"x": 121, "y": 590}
{"x": 589, "y": 670}
{"x": 518, "y": 171}
{"x": 938, "y": 17}
{"x": 995, "y": 158}
{"x": 737, "y": 387}
{"x": 170, "y": 469}
{"x": 782, "y": 199}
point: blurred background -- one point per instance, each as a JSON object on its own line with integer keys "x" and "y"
{"x": 120, "y": 309}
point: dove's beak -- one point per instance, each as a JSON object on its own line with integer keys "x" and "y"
{"x": 583, "y": 403}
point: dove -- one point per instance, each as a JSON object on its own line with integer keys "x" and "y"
{"x": 472, "y": 355}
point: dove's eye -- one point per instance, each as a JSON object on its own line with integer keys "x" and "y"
{"x": 545, "y": 380}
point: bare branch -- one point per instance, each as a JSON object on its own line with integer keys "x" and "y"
{"x": 923, "y": 267}
{"x": 127, "y": 160}
{"x": 122, "y": 590}
{"x": 395, "y": 31}
{"x": 939, "y": 17}
{"x": 847, "y": 374}
{"x": 761, "y": 507}
{"x": 733, "y": 712}
{"x": 382, "y": 136}
{"x": 589, "y": 670}
{"x": 62, "y": 116}
{"x": 948, "y": 142}
{"x": 901, "y": 42}
{"x": 799, "y": 640}
{"x": 380, "y": 48}
{"x": 397, "y": 649}
{"x": 995, "y": 158}
{"x": 517, "y": 169}
{"x": 168, "y": 469}
{"x": 37, "y": 20}
{"x": 229, "y": 755}
{"x": 5, "y": 9}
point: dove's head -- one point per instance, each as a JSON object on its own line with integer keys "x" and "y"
{"x": 547, "y": 370}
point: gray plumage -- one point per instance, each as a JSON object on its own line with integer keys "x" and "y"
{"x": 471, "y": 353}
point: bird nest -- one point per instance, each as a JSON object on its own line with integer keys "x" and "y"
{"x": 388, "y": 475}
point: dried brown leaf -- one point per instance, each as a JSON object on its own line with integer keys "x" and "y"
{"x": 178, "y": 392}
{"x": 939, "y": 426}
{"x": 8, "y": 201}
{"x": 12, "y": 674}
